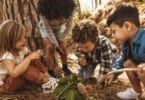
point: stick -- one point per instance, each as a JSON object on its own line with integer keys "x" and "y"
{"x": 123, "y": 70}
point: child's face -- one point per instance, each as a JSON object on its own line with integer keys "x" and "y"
{"x": 21, "y": 43}
{"x": 121, "y": 33}
{"x": 87, "y": 47}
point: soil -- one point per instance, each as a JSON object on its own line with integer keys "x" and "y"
{"x": 35, "y": 92}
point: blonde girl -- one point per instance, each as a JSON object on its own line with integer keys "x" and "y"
{"x": 15, "y": 68}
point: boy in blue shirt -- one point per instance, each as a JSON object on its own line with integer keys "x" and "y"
{"x": 124, "y": 21}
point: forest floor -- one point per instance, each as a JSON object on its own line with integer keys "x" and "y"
{"x": 35, "y": 92}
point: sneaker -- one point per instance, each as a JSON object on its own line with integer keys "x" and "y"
{"x": 128, "y": 94}
{"x": 66, "y": 71}
{"x": 50, "y": 85}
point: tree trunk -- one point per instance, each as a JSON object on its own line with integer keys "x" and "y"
{"x": 25, "y": 12}
{"x": 78, "y": 8}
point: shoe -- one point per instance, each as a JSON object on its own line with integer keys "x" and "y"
{"x": 51, "y": 73}
{"x": 128, "y": 94}
{"x": 50, "y": 85}
{"x": 66, "y": 70}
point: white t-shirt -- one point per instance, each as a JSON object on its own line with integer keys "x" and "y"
{"x": 9, "y": 56}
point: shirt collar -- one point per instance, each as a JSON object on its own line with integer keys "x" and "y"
{"x": 138, "y": 36}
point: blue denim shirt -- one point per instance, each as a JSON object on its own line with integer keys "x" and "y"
{"x": 137, "y": 48}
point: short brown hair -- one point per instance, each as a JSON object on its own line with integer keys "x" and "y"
{"x": 122, "y": 13}
{"x": 85, "y": 30}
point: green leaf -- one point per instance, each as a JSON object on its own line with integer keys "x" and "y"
{"x": 69, "y": 95}
{"x": 73, "y": 94}
{"x": 78, "y": 96}
{"x": 67, "y": 88}
{"x": 63, "y": 80}
{"x": 59, "y": 88}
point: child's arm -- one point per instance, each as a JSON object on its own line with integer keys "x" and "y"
{"x": 69, "y": 25}
{"x": 141, "y": 67}
{"x": 47, "y": 32}
{"x": 106, "y": 60}
{"x": 117, "y": 65}
{"x": 105, "y": 57}
{"x": 17, "y": 70}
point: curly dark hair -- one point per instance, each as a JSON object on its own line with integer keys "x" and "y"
{"x": 54, "y": 9}
{"x": 85, "y": 30}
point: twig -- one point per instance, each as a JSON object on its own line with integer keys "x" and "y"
{"x": 123, "y": 70}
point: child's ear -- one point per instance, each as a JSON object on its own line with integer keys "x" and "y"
{"x": 127, "y": 26}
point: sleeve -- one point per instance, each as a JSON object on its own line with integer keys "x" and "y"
{"x": 26, "y": 50}
{"x": 42, "y": 29}
{"x": 105, "y": 57}
{"x": 119, "y": 62}
{"x": 7, "y": 56}
{"x": 46, "y": 31}
{"x": 68, "y": 27}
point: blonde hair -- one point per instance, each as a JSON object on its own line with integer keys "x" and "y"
{"x": 10, "y": 33}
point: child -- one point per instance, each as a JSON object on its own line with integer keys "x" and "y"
{"x": 124, "y": 21}
{"x": 56, "y": 22}
{"x": 15, "y": 68}
{"x": 92, "y": 49}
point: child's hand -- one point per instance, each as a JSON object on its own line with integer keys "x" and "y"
{"x": 35, "y": 55}
{"x": 141, "y": 68}
{"x": 101, "y": 79}
{"x": 110, "y": 78}
{"x": 82, "y": 61}
{"x": 40, "y": 52}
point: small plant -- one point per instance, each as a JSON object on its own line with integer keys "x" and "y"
{"x": 67, "y": 89}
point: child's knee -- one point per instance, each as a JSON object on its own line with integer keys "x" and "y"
{"x": 129, "y": 64}
{"x": 50, "y": 48}
{"x": 34, "y": 75}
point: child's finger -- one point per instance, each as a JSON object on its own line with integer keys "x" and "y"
{"x": 35, "y": 55}
{"x": 140, "y": 68}
{"x": 39, "y": 52}
{"x": 110, "y": 79}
